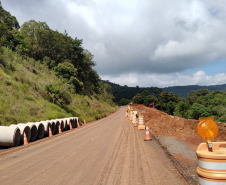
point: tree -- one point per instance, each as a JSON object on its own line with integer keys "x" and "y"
{"x": 124, "y": 101}
{"x": 203, "y": 92}
{"x": 164, "y": 98}
{"x": 144, "y": 95}
{"x": 205, "y": 100}
{"x": 9, "y": 26}
{"x": 150, "y": 99}
{"x": 170, "y": 107}
{"x": 138, "y": 99}
{"x": 198, "y": 110}
{"x": 183, "y": 107}
{"x": 78, "y": 86}
{"x": 66, "y": 70}
{"x": 217, "y": 100}
{"x": 192, "y": 97}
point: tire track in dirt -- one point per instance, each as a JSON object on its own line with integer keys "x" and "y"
{"x": 107, "y": 169}
{"x": 141, "y": 160}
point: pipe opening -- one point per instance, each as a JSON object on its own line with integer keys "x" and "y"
{"x": 41, "y": 131}
{"x": 62, "y": 125}
{"x": 73, "y": 123}
{"x": 27, "y": 131}
{"x": 57, "y": 127}
{"x": 65, "y": 125}
{"x": 53, "y": 128}
{"x": 34, "y": 132}
{"x": 16, "y": 138}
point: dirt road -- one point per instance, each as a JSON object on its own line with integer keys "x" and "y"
{"x": 110, "y": 151}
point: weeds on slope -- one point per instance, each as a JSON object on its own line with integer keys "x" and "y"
{"x": 29, "y": 91}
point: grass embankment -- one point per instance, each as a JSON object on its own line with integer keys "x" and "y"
{"x": 24, "y": 96}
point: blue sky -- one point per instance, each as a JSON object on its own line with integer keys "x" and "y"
{"x": 147, "y": 43}
{"x": 215, "y": 67}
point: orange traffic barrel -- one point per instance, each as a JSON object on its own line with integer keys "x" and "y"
{"x": 211, "y": 168}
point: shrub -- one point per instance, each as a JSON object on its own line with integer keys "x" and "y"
{"x": 58, "y": 96}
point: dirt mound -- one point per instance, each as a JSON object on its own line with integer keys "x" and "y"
{"x": 162, "y": 124}
{"x": 184, "y": 130}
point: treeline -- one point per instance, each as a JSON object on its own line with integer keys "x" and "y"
{"x": 124, "y": 94}
{"x": 201, "y": 103}
{"x": 183, "y": 91}
{"x": 60, "y": 52}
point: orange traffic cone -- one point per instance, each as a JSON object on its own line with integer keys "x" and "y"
{"x": 78, "y": 124}
{"x": 60, "y": 130}
{"x": 135, "y": 124}
{"x": 70, "y": 126}
{"x": 50, "y": 132}
{"x": 25, "y": 139}
{"x": 84, "y": 122}
{"x": 147, "y": 137}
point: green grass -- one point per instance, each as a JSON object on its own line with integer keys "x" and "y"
{"x": 23, "y": 94}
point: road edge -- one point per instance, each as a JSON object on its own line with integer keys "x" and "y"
{"x": 178, "y": 166}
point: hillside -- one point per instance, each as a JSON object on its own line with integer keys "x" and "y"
{"x": 183, "y": 91}
{"x": 129, "y": 92}
{"x": 45, "y": 74}
{"x": 29, "y": 91}
{"x": 120, "y": 92}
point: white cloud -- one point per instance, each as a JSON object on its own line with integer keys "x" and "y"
{"x": 155, "y": 40}
{"x": 166, "y": 80}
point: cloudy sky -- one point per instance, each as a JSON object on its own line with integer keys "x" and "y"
{"x": 146, "y": 43}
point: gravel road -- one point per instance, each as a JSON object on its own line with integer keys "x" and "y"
{"x": 110, "y": 151}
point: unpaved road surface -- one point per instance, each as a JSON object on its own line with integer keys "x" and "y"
{"x": 110, "y": 151}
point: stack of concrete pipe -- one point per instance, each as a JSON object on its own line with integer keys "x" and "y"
{"x": 13, "y": 135}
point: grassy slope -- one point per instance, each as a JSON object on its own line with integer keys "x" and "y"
{"x": 22, "y": 94}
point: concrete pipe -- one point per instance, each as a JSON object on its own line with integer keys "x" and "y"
{"x": 34, "y": 130}
{"x": 57, "y": 123}
{"x": 9, "y": 136}
{"x": 63, "y": 120}
{"x": 76, "y": 121}
{"x": 61, "y": 124}
{"x": 46, "y": 124}
{"x": 41, "y": 129}
{"x": 73, "y": 122}
{"x": 65, "y": 124}
{"x": 53, "y": 124}
{"x": 23, "y": 128}
{"x": 69, "y": 120}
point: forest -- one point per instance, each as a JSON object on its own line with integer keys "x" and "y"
{"x": 183, "y": 91}
{"x": 124, "y": 94}
{"x": 201, "y": 103}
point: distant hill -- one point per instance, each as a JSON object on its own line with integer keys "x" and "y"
{"x": 120, "y": 92}
{"x": 183, "y": 91}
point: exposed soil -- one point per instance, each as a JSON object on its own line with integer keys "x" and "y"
{"x": 183, "y": 130}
